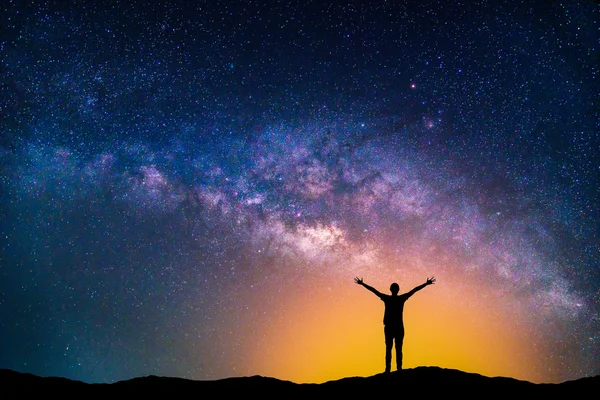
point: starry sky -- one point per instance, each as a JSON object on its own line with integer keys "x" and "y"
{"x": 189, "y": 188}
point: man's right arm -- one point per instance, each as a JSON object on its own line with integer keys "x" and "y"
{"x": 370, "y": 288}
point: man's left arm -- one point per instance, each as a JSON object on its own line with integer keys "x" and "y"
{"x": 430, "y": 281}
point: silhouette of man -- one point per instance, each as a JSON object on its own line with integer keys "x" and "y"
{"x": 393, "y": 324}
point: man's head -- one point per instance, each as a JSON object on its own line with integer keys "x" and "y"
{"x": 394, "y": 288}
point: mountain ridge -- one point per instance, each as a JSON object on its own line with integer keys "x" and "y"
{"x": 428, "y": 377}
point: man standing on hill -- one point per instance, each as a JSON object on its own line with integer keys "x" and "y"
{"x": 392, "y": 318}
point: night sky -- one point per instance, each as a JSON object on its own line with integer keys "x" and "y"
{"x": 189, "y": 188}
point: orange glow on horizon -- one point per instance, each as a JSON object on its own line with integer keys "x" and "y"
{"x": 337, "y": 331}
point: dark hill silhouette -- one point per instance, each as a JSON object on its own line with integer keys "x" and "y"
{"x": 424, "y": 379}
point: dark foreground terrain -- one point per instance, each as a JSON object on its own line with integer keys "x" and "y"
{"x": 421, "y": 380}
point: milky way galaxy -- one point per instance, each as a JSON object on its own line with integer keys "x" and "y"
{"x": 190, "y": 188}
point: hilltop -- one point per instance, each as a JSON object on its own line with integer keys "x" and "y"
{"x": 420, "y": 378}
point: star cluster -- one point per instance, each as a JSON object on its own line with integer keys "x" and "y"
{"x": 189, "y": 188}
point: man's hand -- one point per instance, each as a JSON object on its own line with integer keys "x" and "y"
{"x": 358, "y": 280}
{"x": 430, "y": 281}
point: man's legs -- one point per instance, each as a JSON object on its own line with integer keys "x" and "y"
{"x": 389, "y": 343}
{"x": 399, "y": 343}
{"x": 388, "y": 355}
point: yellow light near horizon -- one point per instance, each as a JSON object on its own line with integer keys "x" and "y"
{"x": 332, "y": 334}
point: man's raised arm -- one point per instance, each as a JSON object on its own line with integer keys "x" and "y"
{"x": 359, "y": 281}
{"x": 430, "y": 281}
